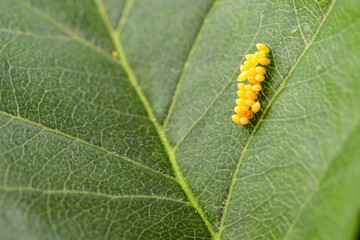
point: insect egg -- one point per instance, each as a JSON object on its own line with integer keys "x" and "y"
{"x": 240, "y": 101}
{"x": 252, "y": 80}
{"x": 256, "y": 58}
{"x": 248, "y": 93}
{"x": 236, "y": 118}
{"x": 249, "y": 57}
{"x": 257, "y": 88}
{"x": 241, "y": 86}
{"x": 243, "y": 68}
{"x": 249, "y": 64}
{"x": 242, "y": 114}
{"x": 252, "y": 71}
{"x": 260, "y": 70}
{"x": 264, "y": 61}
{"x": 262, "y": 47}
{"x": 256, "y": 107}
{"x": 241, "y": 93}
{"x": 244, "y": 120}
{"x": 251, "y": 95}
{"x": 249, "y": 102}
{"x": 243, "y": 108}
{"x": 243, "y": 76}
{"x": 260, "y": 77}
{"x": 248, "y": 87}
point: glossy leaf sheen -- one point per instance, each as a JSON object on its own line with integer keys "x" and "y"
{"x": 142, "y": 146}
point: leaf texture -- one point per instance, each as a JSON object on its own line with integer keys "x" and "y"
{"x": 115, "y": 120}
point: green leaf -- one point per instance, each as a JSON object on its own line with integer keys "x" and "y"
{"x": 141, "y": 145}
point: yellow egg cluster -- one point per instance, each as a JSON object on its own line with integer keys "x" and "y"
{"x": 247, "y": 104}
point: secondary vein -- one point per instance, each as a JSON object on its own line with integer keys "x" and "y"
{"x": 96, "y": 194}
{"x": 66, "y": 30}
{"x": 276, "y": 94}
{"x": 84, "y": 142}
{"x": 187, "y": 62}
{"x": 222, "y": 90}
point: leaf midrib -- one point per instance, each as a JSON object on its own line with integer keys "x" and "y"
{"x": 116, "y": 39}
{"x": 115, "y": 36}
{"x": 276, "y": 94}
{"x": 108, "y": 56}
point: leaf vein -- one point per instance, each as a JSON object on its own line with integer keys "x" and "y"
{"x": 85, "y": 143}
{"x": 187, "y": 62}
{"x": 95, "y": 194}
{"x": 298, "y": 22}
{"x": 160, "y": 130}
{"x": 224, "y": 88}
{"x": 66, "y": 30}
{"x": 276, "y": 94}
{"x": 316, "y": 187}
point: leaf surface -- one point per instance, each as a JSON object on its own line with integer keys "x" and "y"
{"x": 139, "y": 144}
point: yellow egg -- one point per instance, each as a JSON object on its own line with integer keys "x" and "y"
{"x": 242, "y": 94}
{"x": 244, "y": 120}
{"x": 260, "y": 70}
{"x": 243, "y": 76}
{"x": 243, "y": 68}
{"x": 264, "y": 61}
{"x": 243, "y": 114}
{"x": 248, "y": 87}
{"x": 256, "y": 58}
{"x": 251, "y": 95}
{"x": 240, "y": 101}
{"x": 243, "y": 108}
{"x": 262, "y": 54}
{"x": 252, "y": 80}
{"x": 260, "y": 78}
{"x": 256, "y": 88}
{"x": 249, "y": 64}
{"x": 249, "y": 57}
{"x": 252, "y": 72}
{"x": 236, "y": 118}
{"x": 241, "y": 86}
{"x": 256, "y": 107}
{"x": 250, "y": 115}
{"x": 249, "y": 102}
{"x": 262, "y": 47}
